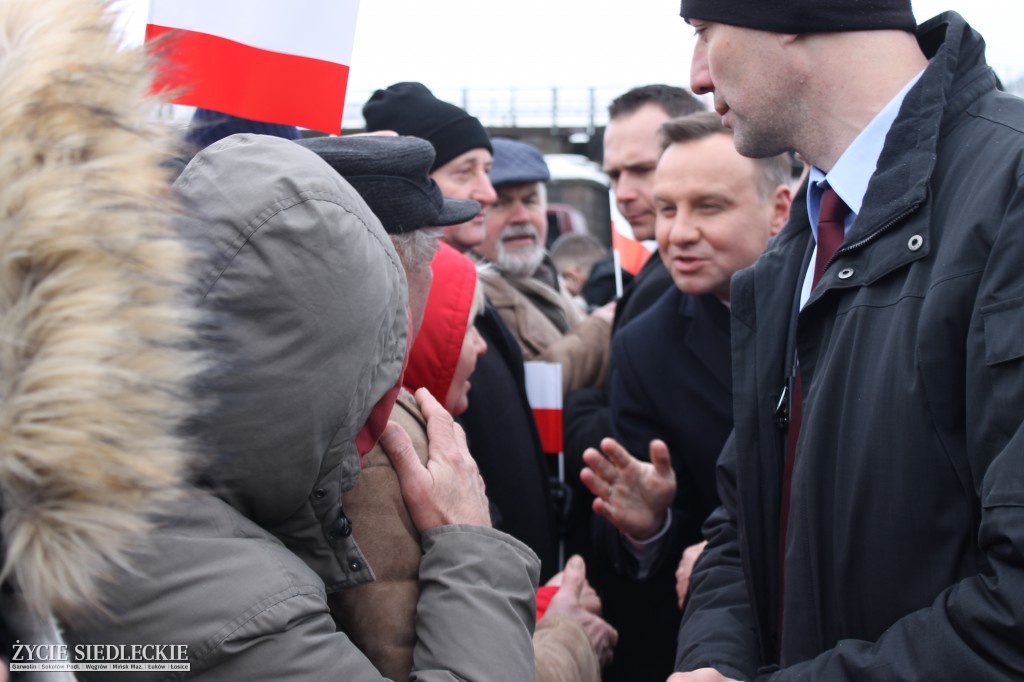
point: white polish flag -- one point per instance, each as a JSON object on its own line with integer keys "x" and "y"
{"x": 544, "y": 391}
{"x": 266, "y": 60}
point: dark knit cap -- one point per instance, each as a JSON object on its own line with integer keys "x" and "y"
{"x": 805, "y": 16}
{"x": 209, "y": 126}
{"x": 411, "y": 109}
{"x": 391, "y": 174}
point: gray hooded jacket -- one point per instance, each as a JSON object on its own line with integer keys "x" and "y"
{"x": 308, "y": 300}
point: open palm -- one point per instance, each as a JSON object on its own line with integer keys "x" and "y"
{"x": 633, "y": 495}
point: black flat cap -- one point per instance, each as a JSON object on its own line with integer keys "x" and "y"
{"x": 392, "y": 175}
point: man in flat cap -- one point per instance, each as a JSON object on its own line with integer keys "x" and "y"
{"x": 499, "y": 422}
{"x": 872, "y": 518}
{"x": 391, "y": 175}
{"x": 524, "y": 285}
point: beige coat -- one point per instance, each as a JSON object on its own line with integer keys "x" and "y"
{"x": 582, "y": 350}
{"x": 380, "y": 617}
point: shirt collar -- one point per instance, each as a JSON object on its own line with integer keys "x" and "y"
{"x": 852, "y": 172}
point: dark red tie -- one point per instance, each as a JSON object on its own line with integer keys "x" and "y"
{"x": 831, "y": 229}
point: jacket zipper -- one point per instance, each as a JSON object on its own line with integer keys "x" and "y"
{"x": 873, "y": 236}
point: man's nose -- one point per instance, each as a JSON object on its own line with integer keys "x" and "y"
{"x": 519, "y": 214}
{"x": 700, "y": 75}
{"x": 484, "y": 191}
{"x": 684, "y": 231}
{"x": 626, "y": 188}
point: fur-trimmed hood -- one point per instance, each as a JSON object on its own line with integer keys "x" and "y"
{"x": 95, "y": 329}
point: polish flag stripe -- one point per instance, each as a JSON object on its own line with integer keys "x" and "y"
{"x": 544, "y": 392}
{"x": 275, "y": 62}
{"x": 632, "y": 253}
{"x": 318, "y": 29}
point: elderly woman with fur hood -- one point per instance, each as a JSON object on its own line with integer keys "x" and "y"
{"x": 306, "y": 300}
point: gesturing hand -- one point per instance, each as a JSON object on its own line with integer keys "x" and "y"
{"x": 448, "y": 489}
{"x": 633, "y": 495}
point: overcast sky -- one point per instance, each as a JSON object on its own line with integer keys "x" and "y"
{"x": 530, "y": 44}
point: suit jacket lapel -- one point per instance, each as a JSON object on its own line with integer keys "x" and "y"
{"x": 707, "y": 335}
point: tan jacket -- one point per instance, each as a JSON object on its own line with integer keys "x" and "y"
{"x": 380, "y": 617}
{"x": 582, "y": 350}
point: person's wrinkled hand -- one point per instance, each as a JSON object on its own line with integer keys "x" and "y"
{"x": 633, "y": 495}
{"x": 685, "y": 568}
{"x": 574, "y": 601}
{"x": 588, "y": 595}
{"x": 700, "y": 675}
{"x": 448, "y": 489}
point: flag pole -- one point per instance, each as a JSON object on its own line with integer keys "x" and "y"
{"x": 617, "y": 260}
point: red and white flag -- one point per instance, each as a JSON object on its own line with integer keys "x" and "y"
{"x": 266, "y": 60}
{"x": 544, "y": 391}
{"x": 631, "y": 253}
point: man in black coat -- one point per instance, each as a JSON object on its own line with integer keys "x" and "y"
{"x": 872, "y": 518}
{"x": 671, "y": 390}
{"x": 504, "y": 440}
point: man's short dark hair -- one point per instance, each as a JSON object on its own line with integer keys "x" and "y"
{"x": 774, "y": 170}
{"x": 674, "y": 100}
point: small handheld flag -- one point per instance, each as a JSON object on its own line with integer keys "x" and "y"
{"x": 632, "y": 254}
{"x": 544, "y": 391}
{"x": 266, "y": 60}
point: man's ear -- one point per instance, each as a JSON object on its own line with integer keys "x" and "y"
{"x": 780, "y": 202}
{"x": 574, "y": 280}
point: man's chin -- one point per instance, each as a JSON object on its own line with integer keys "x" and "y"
{"x": 520, "y": 262}
{"x": 643, "y": 233}
{"x": 643, "y": 229}
{"x": 464, "y": 236}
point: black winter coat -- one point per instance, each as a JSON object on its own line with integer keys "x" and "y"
{"x": 905, "y": 549}
{"x": 504, "y": 442}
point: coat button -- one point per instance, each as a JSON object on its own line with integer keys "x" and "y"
{"x": 355, "y": 566}
{"x": 846, "y": 273}
{"x": 915, "y": 242}
{"x": 319, "y": 493}
{"x": 342, "y": 527}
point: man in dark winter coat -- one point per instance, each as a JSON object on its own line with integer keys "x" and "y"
{"x": 672, "y": 381}
{"x": 632, "y": 145}
{"x": 888, "y": 543}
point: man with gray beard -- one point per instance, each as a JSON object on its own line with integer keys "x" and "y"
{"x": 523, "y": 284}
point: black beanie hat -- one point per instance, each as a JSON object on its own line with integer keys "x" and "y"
{"x": 805, "y": 16}
{"x": 411, "y": 109}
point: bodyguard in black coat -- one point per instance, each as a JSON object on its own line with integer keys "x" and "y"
{"x": 904, "y": 549}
